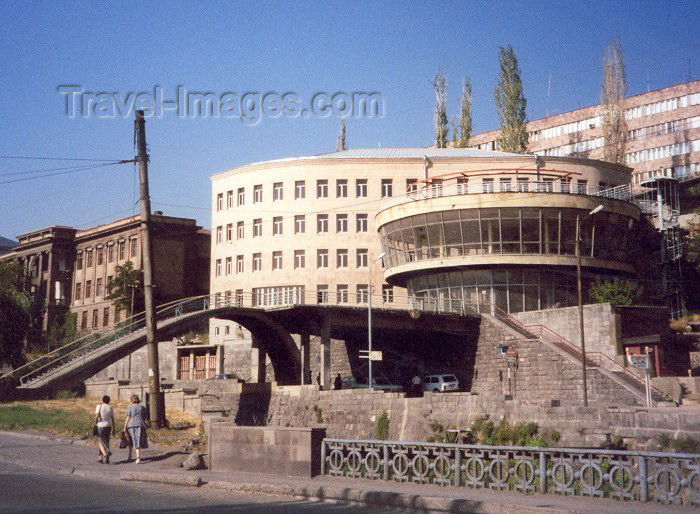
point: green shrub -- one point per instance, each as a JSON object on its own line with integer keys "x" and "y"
{"x": 616, "y": 292}
{"x": 664, "y": 440}
{"x": 555, "y": 436}
{"x": 319, "y": 414}
{"x": 685, "y": 444}
{"x": 381, "y": 429}
{"x": 65, "y": 394}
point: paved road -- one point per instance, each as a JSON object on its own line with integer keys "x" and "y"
{"x": 25, "y": 489}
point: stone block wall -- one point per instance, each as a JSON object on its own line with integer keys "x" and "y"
{"x": 600, "y": 323}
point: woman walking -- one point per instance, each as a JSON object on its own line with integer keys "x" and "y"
{"x": 135, "y": 425}
{"x": 104, "y": 420}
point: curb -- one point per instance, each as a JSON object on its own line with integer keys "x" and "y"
{"x": 161, "y": 478}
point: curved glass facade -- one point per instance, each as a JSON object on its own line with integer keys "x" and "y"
{"x": 513, "y": 289}
{"x": 505, "y": 231}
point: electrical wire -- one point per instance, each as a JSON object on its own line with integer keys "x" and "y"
{"x": 84, "y": 168}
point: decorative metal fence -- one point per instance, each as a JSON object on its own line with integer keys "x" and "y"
{"x": 672, "y": 478}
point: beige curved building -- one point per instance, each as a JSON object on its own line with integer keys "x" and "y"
{"x": 304, "y": 229}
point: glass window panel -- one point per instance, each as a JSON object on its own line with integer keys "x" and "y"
{"x": 510, "y": 213}
{"x": 443, "y": 280}
{"x": 500, "y": 294}
{"x": 531, "y": 298}
{"x": 434, "y": 217}
{"x": 515, "y": 298}
{"x": 472, "y": 239}
{"x": 489, "y": 214}
{"x": 490, "y": 236}
{"x": 483, "y": 278}
{"x": 469, "y": 278}
{"x": 450, "y": 215}
{"x": 550, "y": 232}
{"x": 436, "y": 240}
{"x": 469, "y": 214}
{"x": 510, "y": 231}
{"x": 420, "y": 236}
{"x": 500, "y": 277}
{"x": 453, "y": 238}
{"x": 568, "y": 231}
{"x": 515, "y": 276}
{"x": 432, "y": 282}
{"x": 531, "y": 277}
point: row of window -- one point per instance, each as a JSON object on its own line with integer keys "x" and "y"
{"x": 322, "y": 191}
{"x": 678, "y": 172}
{"x": 287, "y": 295}
{"x": 670, "y": 104}
{"x": 84, "y": 316}
{"x": 322, "y": 226}
{"x": 572, "y": 148}
{"x": 225, "y": 266}
{"x": 659, "y": 152}
{"x": 99, "y": 254}
{"x": 661, "y": 129}
{"x": 99, "y": 291}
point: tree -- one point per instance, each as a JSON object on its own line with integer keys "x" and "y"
{"x": 127, "y": 288}
{"x": 511, "y": 103}
{"x": 613, "y": 92}
{"x": 441, "y": 129}
{"x": 340, "y": 146}
{"x": 455, "y": 133}
{"x": 63, "y": 329}
{"x": 465, "y": 115}
{"x": 616, "y": 292}
{"x": 14, "y": 314}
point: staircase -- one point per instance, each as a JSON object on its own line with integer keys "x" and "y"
{"x": 629, "y": 378}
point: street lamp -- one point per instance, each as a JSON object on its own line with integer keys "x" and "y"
{"x": 580, "y": 297}
{"x": 369, "y": 316}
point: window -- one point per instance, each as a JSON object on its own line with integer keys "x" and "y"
{"x": 257, "y": 227}
{"x": 548, "y": 185}
{"x": 487, "y": 185}
{"x": 239, "y": 264}
{"x": 277, "y": 226}
{"x": 411, "y": 185}
{"x": 110, "y": 253}
{"x": 79, "y": 261}
{"x": 387, "y": 293}
{"x": 362, "y": 293}
{"x": 322, "y": 258}
{"x": 229, "y": 232}
{"x": 220, "y": 202}
{"x": 523, "y": 185}
{"x": 342, "y": 293}
{"x": 299, "y": 190}
{"x": 241, "y": 196}
{"x": 78, "y": 290}
{"x": 105, "y": 317}
{"x": 257, "y": 262}
{"x": 321, "y": 223}
{"x": 109, "y": 284}
{"x": 361, "y": 258}
{"x": 299, "y": 259}
{"x": 229, "y": 265}
{"x": 277, "y": 191}
{"x": 322, "y": 293}
{"x": 257, "y": 193}
{"x": 227, "y": 328}
{"x": 582, "y": 187}
{"x": 240, "y": 230}
{"x": 134, "y": 247}
{"x": 219, "y": 234}
{"x": 361, "y": 223}
{"x": 387, "y": 187}
{"x": 299, "y": 224}
{"x": 83, "y": 321}
{"x": 218, "y": 268}
{"x": 504, "y": 184}
{"x": 229, "y": 199}
{"x": 361, "y": 188}
{"x": 88, "y": 289}
{"x": 94, "y": 318}
{"x": 341, "y": 188}
{"x": 276, "y": 260}
{"x": 321, "y": 189}
{"x": 89, "y": 258}
{"x": 462, "y": 186}
{"x": 341, "y": 222}
{"x": 99, "y": 291}
{"x": 122, "y": 249}
{"x": 341, "y": 258}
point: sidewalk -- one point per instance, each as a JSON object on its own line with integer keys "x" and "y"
{"x": 162, "y": 465}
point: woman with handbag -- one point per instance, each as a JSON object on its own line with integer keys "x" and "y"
{"x": 103, "y": 427}
{"x": 135, "y": 426}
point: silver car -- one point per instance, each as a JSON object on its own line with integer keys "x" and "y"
{"x": 440, "y": 383}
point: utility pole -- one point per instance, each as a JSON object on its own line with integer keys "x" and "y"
{"x": 156, "y": 400}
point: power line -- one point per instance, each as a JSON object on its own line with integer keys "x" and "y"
{"x": 84, "y": 168}
{"x": 55, "y": 158}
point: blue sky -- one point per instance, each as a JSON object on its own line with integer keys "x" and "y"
{"x": 393, "y": 48}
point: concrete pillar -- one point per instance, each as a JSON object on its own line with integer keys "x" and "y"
{"x": 191, "y": 364}
{"x": 219, "y": 359}
{"x": 258, "y": 358}
{"x": 305, "y": 352}
{"x": 206, "y": 364}
{"x": 326, "y": 356}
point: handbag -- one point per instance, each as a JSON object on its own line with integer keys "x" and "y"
{"x": 126, "y": 440}
{"x": 94, "y": 430}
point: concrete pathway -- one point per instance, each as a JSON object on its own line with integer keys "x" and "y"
{"x": 163, "y": 465}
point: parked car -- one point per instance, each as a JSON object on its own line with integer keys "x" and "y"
{"x": 440, "y": 383}
{"x": 379, "y": 383}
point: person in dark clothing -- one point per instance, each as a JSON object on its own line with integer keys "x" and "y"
{"x": 338, "y": 383}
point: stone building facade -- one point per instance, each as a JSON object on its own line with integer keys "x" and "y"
{"x": 72, "y": 269}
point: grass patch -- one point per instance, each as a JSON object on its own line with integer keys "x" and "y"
{"x": 74, "y": 417}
